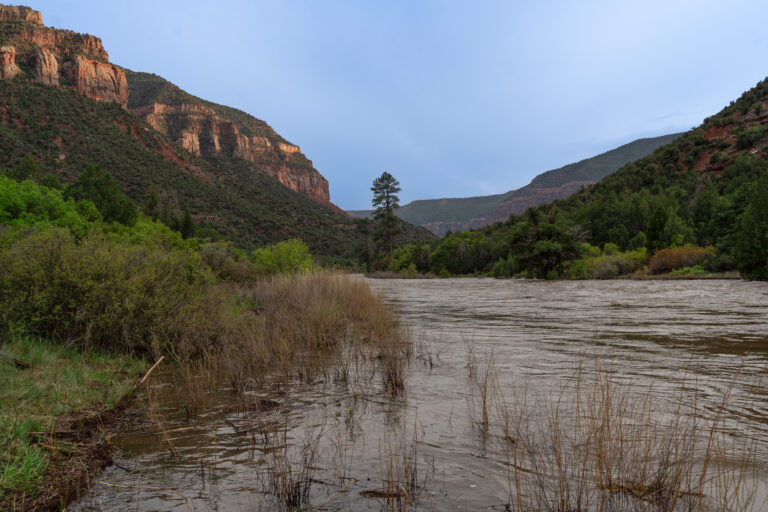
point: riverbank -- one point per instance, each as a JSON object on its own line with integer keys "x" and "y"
{"x": 56, "y": 412}
{"x": 636, "y": 276}
{"x": 54, "y": 418}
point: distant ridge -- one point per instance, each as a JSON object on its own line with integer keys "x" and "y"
{"x": 458, "y": 214}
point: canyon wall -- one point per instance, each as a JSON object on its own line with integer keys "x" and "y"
{"x": 201, "y": 131}
{"x": 61, "y": 58}
{"x": 32, "y": 52}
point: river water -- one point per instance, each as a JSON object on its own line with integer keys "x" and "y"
{"x": 691, "y": 349}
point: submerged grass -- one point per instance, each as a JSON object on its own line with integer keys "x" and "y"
{"x": 603, "y": 443}
{"x": 60, "y": 380}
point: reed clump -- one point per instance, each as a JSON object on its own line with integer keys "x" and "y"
{"x": 606, "y": 444}
{"x": 290, "y": 322}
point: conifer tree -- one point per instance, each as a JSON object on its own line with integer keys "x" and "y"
{"x": 385, "y": 200}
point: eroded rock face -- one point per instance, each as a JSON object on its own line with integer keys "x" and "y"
{"x": 190, "y": 142}
{"x": 8, "y": 67}
{"x": 80, "y": 59}
{"x": 101, "y": 81}
{"x": 20, "y": 13}
{"x": 199, "y": 130}
{"x": 46, "y": 67}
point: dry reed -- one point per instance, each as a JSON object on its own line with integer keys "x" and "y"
{"x": 605, "y": 445}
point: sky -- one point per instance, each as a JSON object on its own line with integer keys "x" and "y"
{"x": 453, "y": 98}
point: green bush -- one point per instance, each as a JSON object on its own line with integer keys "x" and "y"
{"x": 286, "y": 257}
{"x": 696, "y": 270}
{"x": 100, "y": 187}
{"x": 610, "y": 265}
{"x": 105, "y": 292}
{"x": 27, "y": 203}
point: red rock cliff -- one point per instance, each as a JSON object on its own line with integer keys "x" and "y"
{"x": 29, "y": 50}
{"x": 200, "y": 130}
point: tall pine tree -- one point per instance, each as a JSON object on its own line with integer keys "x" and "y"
{"x": 385, "y": 200}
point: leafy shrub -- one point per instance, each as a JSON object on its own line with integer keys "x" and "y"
{"x": 696, "y": 270}
{"x": 286, "y": 257}
{"x": 100, "y": 187}
{"x": 107, "y": 293}
{"x": 27, "y": 203}
{"x": 748, "y": 138}
{"x": 608, "y": 266}
{"x": 666, "y": 260}
{"x": 229, "y": 264}
{"x": 502, "y": 268}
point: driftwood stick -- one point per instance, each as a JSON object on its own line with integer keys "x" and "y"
{"x": 19, "y": 364}
{"x": 148, "y": 372}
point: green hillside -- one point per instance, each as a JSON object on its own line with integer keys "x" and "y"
{"x": 64, "y": 131}
{"x": 457, "y": 214}
{"x": 697, "y": 203}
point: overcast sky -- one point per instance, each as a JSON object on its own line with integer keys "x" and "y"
{"x": 453, "y": 98}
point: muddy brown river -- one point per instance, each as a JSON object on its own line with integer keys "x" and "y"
{"x": 691, "y": 354}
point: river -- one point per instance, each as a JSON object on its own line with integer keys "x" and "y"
{"x": 684, "y": 353}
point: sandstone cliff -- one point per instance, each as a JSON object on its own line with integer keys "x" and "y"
{"x": 216, "y": 132}
{"x": 29, "y": 50}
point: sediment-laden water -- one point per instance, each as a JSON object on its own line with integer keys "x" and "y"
{"x": 696, "y": 350}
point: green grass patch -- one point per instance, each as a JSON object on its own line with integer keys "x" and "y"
{"x": 60, "y": 380}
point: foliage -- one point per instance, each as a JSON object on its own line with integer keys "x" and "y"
{"x": 102, "y": 291}
{"x": 752, "y": 245}
{"x": 286, "y": 257}
{"x": 229, "y": 196}
{"x": 102, "y": 190}
{"x": 608, "y": 264}
{"x": 27, "y": 203}
{"x": 61, "y": 379}
{"x": 385, "y": 200}
{"x": 666, "y": 260}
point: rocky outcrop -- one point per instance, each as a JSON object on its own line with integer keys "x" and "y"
{"x": 190, "y": 142}
{"x": 201, "y": 131}
{"x": 101, "y": 81}
{"x": 8, "y": 67}
{"x": 57, "y": 57}
{"x": 46, "y": 67}
{"x": 20, "y": 13}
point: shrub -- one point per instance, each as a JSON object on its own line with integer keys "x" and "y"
{"x": 286, "y": 257}
{"x": 608, "y": 266}
{"x": 27, "y": 203}
{"x": 105, "y": 292}
{"x": 696, "y": 270}
{"x": 101, "y": 188}
{"x": 666, "y": 260}
{"x": 228, "y": 264}
{"x": 502, "y": 268}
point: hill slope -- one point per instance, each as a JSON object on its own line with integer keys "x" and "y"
{"x": 64, "y": 104}
{"x": 223, "y": 135}
{"x": 707, "y": 188}
{"x": 457, "y": 214}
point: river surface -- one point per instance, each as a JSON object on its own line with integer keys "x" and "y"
{"x": 704, "y": 343}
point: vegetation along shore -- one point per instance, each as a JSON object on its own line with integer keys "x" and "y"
{"x": 182, "y": 303}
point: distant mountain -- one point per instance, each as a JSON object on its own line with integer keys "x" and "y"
{"x": 458, "y": 214}
{"x": 707, "y": 188}
{"x": 66, "y": 105}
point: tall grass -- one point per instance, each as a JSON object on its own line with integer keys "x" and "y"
{"x": 606, "y": 444}
{"x": 286, "y": 321}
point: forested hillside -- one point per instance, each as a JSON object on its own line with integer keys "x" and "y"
{"x": 698, "y": 203}
{"x": 458, "y": 214}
